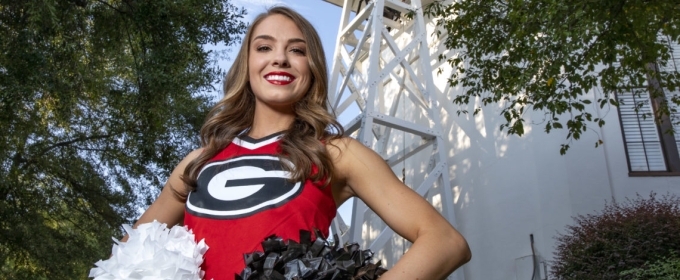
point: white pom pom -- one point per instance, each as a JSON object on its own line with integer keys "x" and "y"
{"x": 153, "y": 251}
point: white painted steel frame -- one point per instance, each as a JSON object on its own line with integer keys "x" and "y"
{"x": 367, "y": 88}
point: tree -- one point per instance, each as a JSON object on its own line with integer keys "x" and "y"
{"x": 99, "y": 100}
{"x": 546, "y": 55}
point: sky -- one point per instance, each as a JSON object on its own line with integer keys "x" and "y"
{"x": 324, "y": 16}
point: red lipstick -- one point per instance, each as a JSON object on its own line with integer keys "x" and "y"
{"x": 279, "y": 78}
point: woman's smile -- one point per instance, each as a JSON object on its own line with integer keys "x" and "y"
{"x": 279, "y": 78}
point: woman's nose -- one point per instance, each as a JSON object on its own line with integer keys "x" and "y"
{"x": 280, "y": 58}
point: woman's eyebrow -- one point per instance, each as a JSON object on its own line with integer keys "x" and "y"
{"x": 296, "y": 40}
{"x": 268, "y": 37}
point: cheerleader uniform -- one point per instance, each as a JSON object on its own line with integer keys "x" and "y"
{"x": 243, "y": 196}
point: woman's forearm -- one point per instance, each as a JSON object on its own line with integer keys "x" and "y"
{"x": 433, "y": 255}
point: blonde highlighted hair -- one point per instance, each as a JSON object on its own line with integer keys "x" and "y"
{"x": 303, "y": 144}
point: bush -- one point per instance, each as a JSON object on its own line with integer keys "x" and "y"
{"x": 625, "y": 236}
{"x": 664, "y": 269}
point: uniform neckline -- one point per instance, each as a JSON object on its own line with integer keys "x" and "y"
{"x": 246, "y": 138}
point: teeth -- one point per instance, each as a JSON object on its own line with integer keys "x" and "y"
{"x": 279, "y": 78}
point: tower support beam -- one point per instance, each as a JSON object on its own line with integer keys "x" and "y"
{"x": 375, "y": 71}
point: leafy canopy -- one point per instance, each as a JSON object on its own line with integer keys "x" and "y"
{"x": 547, "y": 55}
{"x": 99, "y": 99}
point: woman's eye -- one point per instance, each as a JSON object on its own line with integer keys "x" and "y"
{"x": 298, "y": 50}
{"x": 263, "y": 48}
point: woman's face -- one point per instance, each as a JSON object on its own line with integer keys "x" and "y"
{"x": 278, "y": 68}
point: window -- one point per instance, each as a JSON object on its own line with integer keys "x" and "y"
{"x": 650, "y": 150}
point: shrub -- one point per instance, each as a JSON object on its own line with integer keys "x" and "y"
{"x": 664, "y": 269}
{"x": 624, "y": 236}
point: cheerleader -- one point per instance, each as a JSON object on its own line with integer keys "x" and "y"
{"x": 275, "y": 161}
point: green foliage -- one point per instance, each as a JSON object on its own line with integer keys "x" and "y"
{"x": 664, "y": 269}
{"x": 547, "y": 55}
{"x": 99, "y": 99}
{"x": 624, "y": 236}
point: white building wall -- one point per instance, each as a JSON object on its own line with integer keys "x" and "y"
{"x": 508, "y": 187}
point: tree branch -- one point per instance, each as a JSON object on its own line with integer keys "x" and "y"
{"x": 79, "y": 139}
{"x": 112, "y": 7}
{"x": 18, "y": 158}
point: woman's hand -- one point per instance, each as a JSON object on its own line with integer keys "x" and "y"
{"x": 365, "y": 174}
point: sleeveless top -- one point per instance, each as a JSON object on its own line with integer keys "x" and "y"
{"x": 243, "y": 196}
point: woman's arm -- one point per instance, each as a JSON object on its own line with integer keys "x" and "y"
{"x": 169, "y": 207}
{"x": 369, "y": 178}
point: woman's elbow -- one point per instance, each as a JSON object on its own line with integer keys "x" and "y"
{"x": 460, "y": 250}
{"x": 465, "y": 253}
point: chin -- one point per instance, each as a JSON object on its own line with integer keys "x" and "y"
{"x": 277, "y": 104}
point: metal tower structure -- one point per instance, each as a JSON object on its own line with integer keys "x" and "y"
{"x": 382, "y": 56}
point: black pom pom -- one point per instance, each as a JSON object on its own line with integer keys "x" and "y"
{"x": 309, "y": 260}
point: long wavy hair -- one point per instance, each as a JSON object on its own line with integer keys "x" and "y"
{"x": 303, "y": 144}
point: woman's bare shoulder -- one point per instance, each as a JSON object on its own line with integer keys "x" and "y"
{"x": 338, "y": 147}
{"x": 346, "y": 152}
{"x": 341, "y": 153}
{"x": 175, "y": 182}
{"x": 194, "y": 154}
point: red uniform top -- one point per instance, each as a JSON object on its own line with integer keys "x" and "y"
{"x": 243, "y": 196}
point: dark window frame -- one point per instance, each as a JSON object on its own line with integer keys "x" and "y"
{"x": 667, "y": 142}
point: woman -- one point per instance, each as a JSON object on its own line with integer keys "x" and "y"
{"x": 274, "y": 161}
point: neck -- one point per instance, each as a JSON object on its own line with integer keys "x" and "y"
{"x": 268, "y": 120}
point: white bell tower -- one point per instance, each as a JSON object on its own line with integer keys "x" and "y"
{"x": 382, "y": 63}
